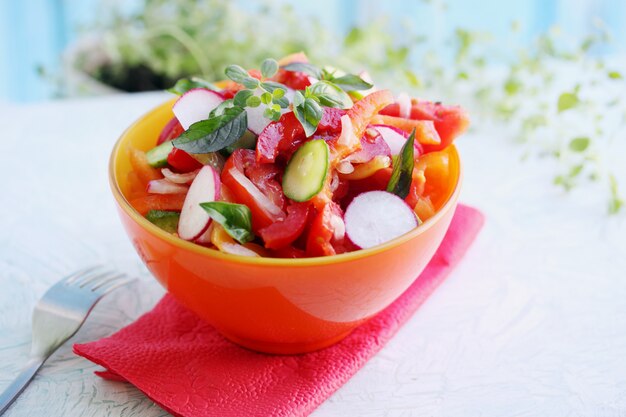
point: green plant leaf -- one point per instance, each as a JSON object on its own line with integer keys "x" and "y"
{"x": 567, "y": 101}
{"x": 309, "y": 113}
{"x": 272, "y": 86}
{"x": 241, "y": 98}
{"x": 579, "y": 144}
{"x": 269, "y": 67}
{"x": 615, "y": 75}
{"x": 402, "y": 174}
{"x": 185, "y": 84}
{"x": 304, "y": 67}
{"x": 330, "y": 95}
{"x": 215, "y": 133}
{"x": 236, "y": 219}
{"x": 236, "y": 73}
{"x": 351, "y": 82}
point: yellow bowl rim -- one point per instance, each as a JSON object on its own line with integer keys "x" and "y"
{"x": 265, "y": 261}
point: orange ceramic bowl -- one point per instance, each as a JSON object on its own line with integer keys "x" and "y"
{"x": 272, "y": 305}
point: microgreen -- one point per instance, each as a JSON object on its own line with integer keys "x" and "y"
{"x": 402, "y": 174}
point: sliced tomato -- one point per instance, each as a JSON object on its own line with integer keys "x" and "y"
{"x": 449, "y": 121}
{"x": 181, "y": 161}
{"x": 416, "y": 190}
{"x": 264, "y": 176}
{"x": 279, "y": 136}
{"x": 244, "y": 191}
{"x": 172, "y": 130}
{"x": 285, "y": 232}
{"x": 330, "y": 123}
{"x": 322, "y": 231}
{"x": 362, "y": 111}
{"x": 169, "y": 202}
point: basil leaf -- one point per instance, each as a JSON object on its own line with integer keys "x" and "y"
{"x": 269, "y": 67}
{"x": 304, "y": 67}
{"x": 215, "y": 133}
{"x": 185, "y": 84}
{"x": 242, "y": 97}
{"x": 351, "y": 82}
{"x": 309, "y": 113}
{"x": 219, "y": 110}
{"x": 330, "y": 95}
{"x": 236, "y": 73}
{"x": 236, "y": 219}
{"x": 166, "y": 220}
{"x": 402, "y": 174}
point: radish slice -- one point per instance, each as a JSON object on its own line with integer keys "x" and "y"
{"x": 265, "y": 203}
{"x": 165, "y": 186}
{"x": 205, "y": 238}
{"x": 376, "y": 217}
{"x": 195, "y": 105}
{"x": 179, "y": 178}
{"x": 194, "y": 220}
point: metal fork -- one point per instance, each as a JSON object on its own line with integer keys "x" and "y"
{"x": 58, "y": 315}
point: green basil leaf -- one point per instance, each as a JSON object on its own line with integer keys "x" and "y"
{"x": 166, "y": 220}
{"x": 330, "y": 95}
{"x": 215, "y": 133}
{"x": 309, "y": 113}
{"x": 185, "y": 84}
{"x": 236, "y": 73}
{"x": 219, "y": 110}
{"x": 402, "y": 174}
{"x": 351, "y": 82}
{"x": 236, "y": 219}
{"x": 242, "y": 97}
{"x": 304, "y": 67}
{"x": 269, "y": 67}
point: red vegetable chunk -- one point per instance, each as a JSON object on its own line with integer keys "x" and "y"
{"x": 182, "y": 161}
{"x": 172, "y": 130}
{"x": 285, "y": 232}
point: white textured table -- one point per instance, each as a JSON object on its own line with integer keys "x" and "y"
{"x": 532, "y": 323}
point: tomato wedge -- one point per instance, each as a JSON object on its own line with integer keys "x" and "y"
{"x": 322, "y": 231}
{"x": 278, "y": 136}
{"x": 244, "y": 191}
{"x": 181, "y": 161}
{"x": 284, "y": 233}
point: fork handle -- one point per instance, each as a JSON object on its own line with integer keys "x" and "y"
{"x": 21, "y": 381}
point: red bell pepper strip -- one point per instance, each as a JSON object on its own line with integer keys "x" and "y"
{"x": 285, "y": 232}
{"x": 181, "y": 161}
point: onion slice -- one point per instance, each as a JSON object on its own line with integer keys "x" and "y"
{"x": 179, "y": 178}
{"x": 165, "y": 186}
{"x": 266, "y": 204}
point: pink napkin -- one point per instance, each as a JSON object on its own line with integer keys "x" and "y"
{"x": 188, "y": 368}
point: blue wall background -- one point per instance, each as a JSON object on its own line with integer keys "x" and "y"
{"x": 33, "y": 33}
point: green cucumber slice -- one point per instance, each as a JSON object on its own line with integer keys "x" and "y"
{"x": 157, "y": 156}
{"x": 306, "y": 171}
{"x": 166, "y": 220}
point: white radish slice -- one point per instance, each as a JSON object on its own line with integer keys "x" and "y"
{"x": 394, "y": 137}
{"x": 266, "y": 204}
{"x": 376, "y": 217}
{"x": 165, "y": 186}
{"x": 256, "y": 121}
{"x": 205, "y": 238}
{"x": 179, "y": 178}
{"x": 195, "y": 105}
{"x": 237, "y": 249}
{"x": 194, "y": 220}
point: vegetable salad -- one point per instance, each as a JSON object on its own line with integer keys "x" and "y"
{"x": 293, "y": 161}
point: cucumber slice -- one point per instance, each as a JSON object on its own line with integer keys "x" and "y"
{"x": 166, "y": 220}
{"x": 157, "y": 156}
{"x": 306, "y": 171}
